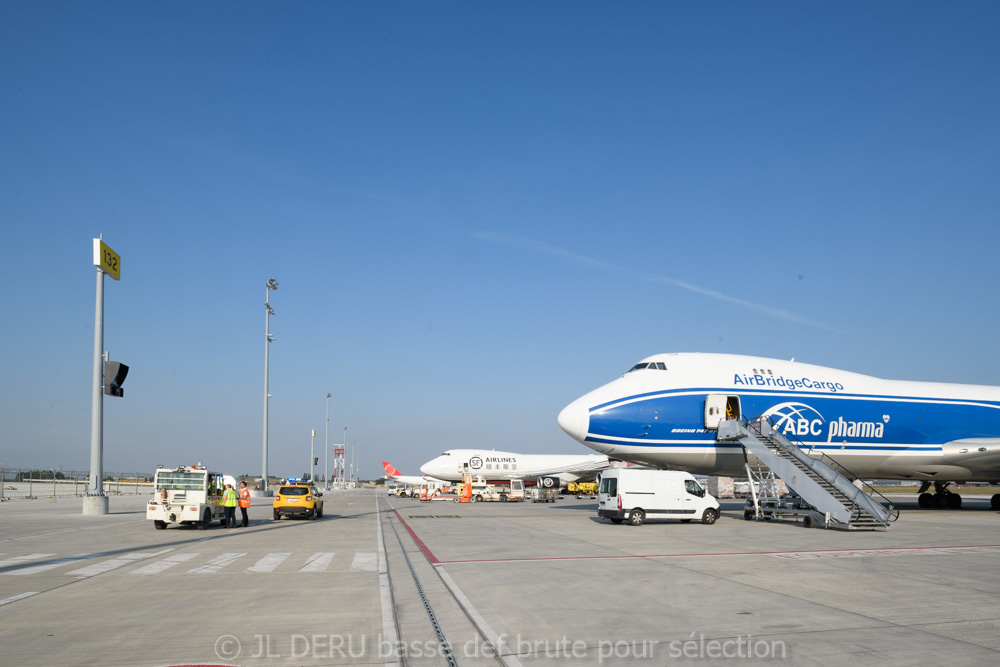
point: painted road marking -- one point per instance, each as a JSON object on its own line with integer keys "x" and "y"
{"x": 161, "y": 565}
{"x": 217, "y": 563}
{"x": 318, "y": 562}
{"x": 365, "y": 562}
{"x": 35, "y": 569}
{"x": 268, "y": 563}
{"x": 114, "y": 563}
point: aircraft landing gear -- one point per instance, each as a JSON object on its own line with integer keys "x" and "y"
{"x": 941, "y": 497}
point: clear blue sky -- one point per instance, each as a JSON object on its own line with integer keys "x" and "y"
{"x": 477, "y": 212}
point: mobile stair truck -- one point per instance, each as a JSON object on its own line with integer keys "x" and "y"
{"x": 825, "y": 493}
{"x": 186, "y": 495}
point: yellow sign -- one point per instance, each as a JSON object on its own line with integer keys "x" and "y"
{"x": 107, "y": 260}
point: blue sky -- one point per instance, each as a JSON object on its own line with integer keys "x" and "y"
{"x": 477, "y": 212}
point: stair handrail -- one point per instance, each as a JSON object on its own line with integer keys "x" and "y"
{"x": 867, "y": 489}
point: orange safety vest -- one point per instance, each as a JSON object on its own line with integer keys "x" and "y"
{"x": 244, "y": 498}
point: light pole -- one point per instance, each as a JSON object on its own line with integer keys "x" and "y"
{"x": 326, "y": 448}
{"x": 342, "y": 484}
{"x": 272, "y": 284}
{"x": 53, "y": 482}
{"x": 312, "y": 455}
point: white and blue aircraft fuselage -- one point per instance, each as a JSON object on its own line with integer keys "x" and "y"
{"x": 666, "y": 409}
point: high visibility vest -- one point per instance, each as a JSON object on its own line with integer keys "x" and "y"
{"x": 244, "y": 498}
{"x": 229, "y": 498}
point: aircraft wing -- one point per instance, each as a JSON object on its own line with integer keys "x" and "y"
{"x": 581, "y": 469}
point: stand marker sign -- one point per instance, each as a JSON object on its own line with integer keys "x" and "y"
{"x": 107, "y": 260}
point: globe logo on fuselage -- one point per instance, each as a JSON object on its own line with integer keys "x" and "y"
{"x": 796, "y": 419}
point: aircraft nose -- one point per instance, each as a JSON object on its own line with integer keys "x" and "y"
{"x": 426, "y": 468}
{"x": 575, "y": 420}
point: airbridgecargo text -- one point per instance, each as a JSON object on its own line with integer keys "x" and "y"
{"x": 786, "y": 383}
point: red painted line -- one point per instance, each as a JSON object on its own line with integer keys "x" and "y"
{"x": 698, "y": 555}
{"x": 420, "y": 543}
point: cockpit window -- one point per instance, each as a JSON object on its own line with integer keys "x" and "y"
{"x": 651, "y": 365}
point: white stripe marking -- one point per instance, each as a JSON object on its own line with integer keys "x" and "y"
{"x": 268, "y": 563}
{"x": 318, "y": 562}
{"x": 491, "y": 636}
{"x": 365, "y": 562}
{"x": 114, "y": 563}
{"x": 35, "y": 569}
{"x": 385, "y": 593}
{"x": 17, "y": 597}
{"x": 161, "y": 565}
{"x": 217, "y": 563}
{"x": 17, "y": 560}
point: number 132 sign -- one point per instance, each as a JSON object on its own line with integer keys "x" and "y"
{"x": 107, "y": 260}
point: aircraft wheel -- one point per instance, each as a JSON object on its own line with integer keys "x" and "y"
{"x": 954, "y": 501}
{"x": 940, "y": 500}
{"x": 636, "y": 517}
{"x": 926, "y": 500}
{"x": 709, "y": 517}
{"x": 995, "y": 501}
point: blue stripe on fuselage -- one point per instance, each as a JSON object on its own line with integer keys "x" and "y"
{"x": 824, "y": 421}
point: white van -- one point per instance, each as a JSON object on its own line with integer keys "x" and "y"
{"x": 636, "y": 493}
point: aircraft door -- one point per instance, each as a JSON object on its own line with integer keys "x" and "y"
{"x": 719, "y": 407}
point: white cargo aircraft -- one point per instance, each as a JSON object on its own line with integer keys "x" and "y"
{"x": 410, "y": 480}
{"x": 494, "y": 465}
{"x": 666, "y": 410}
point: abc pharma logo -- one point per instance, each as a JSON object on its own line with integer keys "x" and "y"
{"x": 796, "y": 418}
{"x": 475, "y": 463}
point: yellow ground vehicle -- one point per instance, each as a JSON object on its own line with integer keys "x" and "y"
{"x": 298, "y": 498}
{"x": 582, "y": 489}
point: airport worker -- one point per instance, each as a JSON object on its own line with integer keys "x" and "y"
{"x": 244, "y": 503}
{"x": 229, "y": 506}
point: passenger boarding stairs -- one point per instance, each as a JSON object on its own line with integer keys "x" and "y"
{"x": 830, "y": 489}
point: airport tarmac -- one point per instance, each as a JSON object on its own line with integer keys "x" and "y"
{"x": 383, "y": 580}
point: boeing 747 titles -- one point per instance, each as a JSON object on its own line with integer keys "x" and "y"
{"x": 494, "y": 465}
{"x": 665, "y": 411}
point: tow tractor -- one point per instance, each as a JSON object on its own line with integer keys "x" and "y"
{"x": 186, "y": 495}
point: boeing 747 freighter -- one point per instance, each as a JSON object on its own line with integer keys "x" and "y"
{"x": 666, "y": 410}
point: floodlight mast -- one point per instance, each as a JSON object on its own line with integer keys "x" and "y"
{"x": 272, "y": 285}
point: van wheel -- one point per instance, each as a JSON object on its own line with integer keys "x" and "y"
{"x": 636, "y": 517}
{"x": 709, "y": 517}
